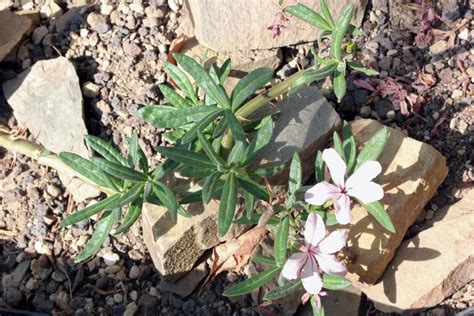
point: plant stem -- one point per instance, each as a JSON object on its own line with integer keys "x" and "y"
{"x": 44, "y": 157}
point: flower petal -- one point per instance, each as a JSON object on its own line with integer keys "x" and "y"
{"x": 330, "y": 264}
{"x": 314, "y": 230}
{"x": 367, "y": 193}
{"x": 321, "y": 193}
{"x": 333, "y": 242}
{"x": 343, "y": 210}
{"x": 292, "y": 267}
{"x": 337, "y": 166}
{"x": 310, "y": 277}
{"x": 366, "y": 173}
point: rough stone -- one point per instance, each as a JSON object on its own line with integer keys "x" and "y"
{"x": 439, "y": 48}
{"x": 441, "y": 255}
{"x": 411, "y": 173}
{"x": 12, "y": 29}
{"x": 243, "y": 25}
{"x": 175, "y": 246}
{"x": 346, "y": 301}
{"x": 47, "y": 99}
{"x": 186, "y": 285}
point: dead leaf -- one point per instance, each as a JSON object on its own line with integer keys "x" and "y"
{"x": 176, "y": 47}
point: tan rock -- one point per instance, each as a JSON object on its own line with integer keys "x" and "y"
{"x": 243, "y": 24}
{"x": 13, "y": 28}
{"x": 431, "y": 266}
{"x": 412, "y": 171}
{"x": 344, "y": 302}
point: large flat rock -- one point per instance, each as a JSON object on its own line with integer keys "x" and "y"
{"x": 305, "y": 125}
{"x": 13, "y": 28}
{"x": 47, "y": 99}
{"x": 431, "y": 266}
{"x": 230, "y": 25}
{"x": 411, "y": 173}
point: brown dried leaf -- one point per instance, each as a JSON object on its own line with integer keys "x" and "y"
{"x": 176, "y": 47}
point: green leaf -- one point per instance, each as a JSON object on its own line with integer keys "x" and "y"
{"x": 119, "y": 171}
{"x": 295, "y": 174}
{"x": 220, "y": 128}
{"x": 209, "y": 186}
{"x": 101, "y": 231}
{"x": 224, "y": 70}
{"x": 89, "y": 211}
{"x": 311, "y": 75}
{"x": 166, "y": 197}
{"x": 340, "y": 30}
{"x": 133, "y": 213}
{"x": 236, "y": 154}
{"x": 267, "y": 171}
{"x": 253, "y": 187}
{"x": 326, "y": 13}
{"x": 87, "y": 169}
{"x": 203, "y": 79}
{"x": 362, "y": 69}
{"x": 373, "y": 148}
{"x": 161, "y": 116}
{"x": 309, "y": 16}
{"x": 319, "y": 167}
{"x": 249, "y": 200}
{"x": 235, "y": 127}
{"x": 193, "y": 172}
{"x": 283, "y": 291}
{"x": 186, "y": 157}
{"x": 340, "y": 85}
{"x": 133, "y": 150}
{"x": 338, "y": 145}
{"x": 253, "y": 283}
{"x": 173, "y": 97}
{"x": 349, "y": 145}
{"x": 328, "y": 218}
{"x": 281, "y": 241}
{"x": 127, "y": 196}
{"x": 227, "y": 204}
{"x": 201, "y": 125}
{"x": 105, "y": 149}
{"x": 377, "y": 210}
{"x": 263, "y": 260}
{"x": 211, "y": 154}
{"x": 249, "y": 84}
{"x": 181, "y": 80}
{"x": 314, "y": 306}
{"x": 262, "y": 138}
{"x": 335, "y": 282}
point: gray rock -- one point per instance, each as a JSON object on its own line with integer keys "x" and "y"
{"x": 98, "y": 22}
{"x": 12, "y": 295}
{"x": 20, "y": 272}
{"x": 47, "y": 99}
{"x": 439, "y": 48}
{"x": 13, "y": 28}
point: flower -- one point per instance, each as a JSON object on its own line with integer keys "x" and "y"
{"x": 316, "y": 254}
{"x": 359, "y": 185}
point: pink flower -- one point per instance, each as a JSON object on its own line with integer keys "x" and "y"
{"x": 316, "y": 254}
{"x": 359, "y": 185}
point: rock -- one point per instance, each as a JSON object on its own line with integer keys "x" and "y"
{"x": 13, "y": 28}
{"x": 47, "y": 99}
{"x": 411, "y": 174}
{"x": 110, "y": 258}
{"x": 20, "y": 272}
{"x": 131, "y": 309}
{"x": 442, "y": 253}
{"x": 12, "y": 295}
{"x": 242, "y": 61}
{"x": 98, "y": 22}
{"x": 239, "y": 25}
{"x": 438, "y": 48}
{"x": 175, "y": 246}
{"x": 38, "y": 271}
{"x": 90, "y": 89}
{"x": 132, "y": 49}
{"x": 347, "y": 300}
{"x": 188, "y": 283}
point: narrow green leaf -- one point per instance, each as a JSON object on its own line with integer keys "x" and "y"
{"x": 89, "y": 211}
{"x": 262, "y": 138}
{"x": 349, "y": 145}
{"x": 377, "y": 210}
{"x": 295, "y": 174}
{"x": 188, "y": 171}
{"x": 203, "y": 79}
{"x": 237, "y": 154}
{"x": 227, "y": 204}
{"x": 317, "y": 311}
{"x": 101, "y": 231}
{"x": 186, "y": 157}
{"x": 373, "y": 148}
{"x": 209, "y": 186}
{"x": 253, "y": 283}
{"x": 249, "y": 200}
{"x": 173, "y": 97}
{"x": 283, "y": 291}
{"x": 181, "y": 80}
{"x": 253, "y": 187}
{"x": 119, "y": 171}
{"x": 133, "y": 213}
{"x": 311, "y": 75}
{"x": 161, "y": 116}
{"x": 105, "y": 149}
{"x": 281, "y": 241}
{"x": 335, "y": 282}
{"x": 339, "y": 31}
{"x": 308, "y": 15}
{"x": 167, "y": 197}
{"x": 220, "y": 128}
{"x": 224, "y": 70}
{"x": 249, "y": 84}
{"x": 127, "y": 196}
{"x": 326, "y": 13}
{"x": 263, "y": 260}
{"x": 210, "y": 151}
{"x": 201, "y": 125}
{"x": 329, "y": 219}
{"x": 267, "y": 171}
{"x": 340, "y": 85}
{"x": 235, "y": 127}
{"x": 362, "y": 69}
{"x": 338, "y": 145}
{"x": 319, "y": 167}
{"x": 133, "y": 150}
